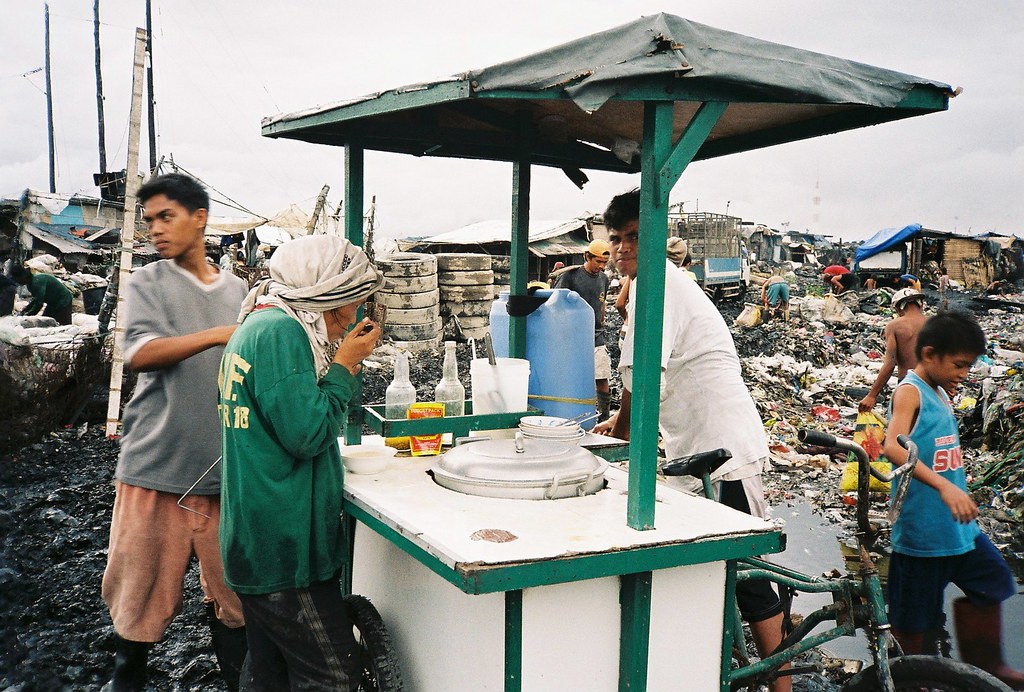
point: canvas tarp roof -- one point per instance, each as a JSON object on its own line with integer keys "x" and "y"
{"x": 547, "y": 237}
{"x": 885, "y": 239}
{"x": 292, "y": 221}
{"x": 584, "y": 98}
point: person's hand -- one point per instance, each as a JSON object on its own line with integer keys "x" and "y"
{"x": 867, "y": 404}
{"x": 357, "y": 344}
{"x": 221, "y": 335}
{"x": 960, "y": 503}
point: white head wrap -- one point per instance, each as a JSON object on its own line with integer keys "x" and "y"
{"x": 309, "y": 276}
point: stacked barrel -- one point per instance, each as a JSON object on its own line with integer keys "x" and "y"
{"x": 501, "y": 265}
{"x": 466, "y": 285}
{"x": 411, "y": 295}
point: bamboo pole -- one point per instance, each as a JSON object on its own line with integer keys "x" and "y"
{"x": 127, "y": 232}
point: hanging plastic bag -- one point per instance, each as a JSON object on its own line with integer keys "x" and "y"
{"x": 750, "y": 317}
{"x": 869, "y": 434}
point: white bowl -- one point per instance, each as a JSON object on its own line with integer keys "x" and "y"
{"x": 366, "y": 459}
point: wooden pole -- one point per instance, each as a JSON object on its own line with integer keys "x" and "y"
{"x": 151, "y": 100}
{"x": 317, "y": 209}
{"x": 99, "y": 86}
{"x": 49, "y": 100}
{"x": 127, "y": 232}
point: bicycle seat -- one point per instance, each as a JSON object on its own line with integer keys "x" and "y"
{"x": 697, "y": 464}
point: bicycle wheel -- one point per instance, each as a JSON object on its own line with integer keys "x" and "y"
{"x": 928, "y": 673}
{"x": 380, "y": 664}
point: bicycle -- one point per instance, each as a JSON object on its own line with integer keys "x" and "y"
{"x": 858, "y": 600}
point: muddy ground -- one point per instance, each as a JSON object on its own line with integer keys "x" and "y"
{"x": 55, "y": 504}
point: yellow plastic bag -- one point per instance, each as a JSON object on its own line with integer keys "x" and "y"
{"x": 869, "y": 434}
{"x": 750, "y": 317}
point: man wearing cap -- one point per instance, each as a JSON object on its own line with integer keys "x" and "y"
{"x": 900, "y": 342}
{"x": 590, "y": 281}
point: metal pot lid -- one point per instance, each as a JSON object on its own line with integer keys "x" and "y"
{"x": 523, "y": 460}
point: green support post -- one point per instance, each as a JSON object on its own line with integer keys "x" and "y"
{"x": 513, "y": 641}
{"x": 635, "y": 636}
{"x": 354, "y": 155}
{"x": 643, "y": 432}
{"x": 520, "y": 237}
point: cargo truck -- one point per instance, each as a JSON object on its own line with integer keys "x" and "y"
{"x": 716, "y": 247}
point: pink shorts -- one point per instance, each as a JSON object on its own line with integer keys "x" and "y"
{"x": 152, "y": 540}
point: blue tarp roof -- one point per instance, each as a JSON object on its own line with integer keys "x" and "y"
{"x": 885, "y": 239}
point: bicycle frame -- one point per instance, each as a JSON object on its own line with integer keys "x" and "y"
{"x": 858, "y": 600}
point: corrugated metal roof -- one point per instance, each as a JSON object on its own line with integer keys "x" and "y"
{"x": 500, "y": 230}
{"x": 62, "y": 241}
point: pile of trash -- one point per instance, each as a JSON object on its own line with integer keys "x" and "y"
{"x": 47, "y": 373}
{"x": 812, "y": 373}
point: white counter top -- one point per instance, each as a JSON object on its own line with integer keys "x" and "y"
{"x": 466, "y": 533}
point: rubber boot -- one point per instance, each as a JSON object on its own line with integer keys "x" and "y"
{"x": 767, "y": 635}
{"x": 979, "y": 636}
{"x": 604, "y": 402}
{"x": 230, "y": 647}
{"x": 129, "y": 666}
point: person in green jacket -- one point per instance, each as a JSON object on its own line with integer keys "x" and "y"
{"x": 48, "y": 290}
{"x": 283, "y": 401}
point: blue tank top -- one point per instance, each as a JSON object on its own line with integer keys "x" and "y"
{"x": 925, "y": 527}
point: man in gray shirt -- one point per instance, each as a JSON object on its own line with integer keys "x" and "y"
{"x": 178, "y": 314}
{"x": 590, "y": 281}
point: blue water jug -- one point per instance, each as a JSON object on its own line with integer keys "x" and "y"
{"x": 560, "y": 348}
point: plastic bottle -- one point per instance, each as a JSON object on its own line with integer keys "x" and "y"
{"x": 449, "y": 390}
{"x": 399, "y": 395}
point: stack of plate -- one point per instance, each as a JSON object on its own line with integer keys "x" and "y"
{"x": 551, "y": 428}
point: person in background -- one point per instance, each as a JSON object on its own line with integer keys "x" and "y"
{"x": 591, "y": 283}
{"x": 555, "y": 271}
{"x": 900, "y": 342}
{"x": 910, "y": 281}
{"x": 704, "y": 403}
{"x": 870, "y": 283}
{"x": 775, "y": 294}
{"x": 8, "y": 292}
{"x": 936, "y": 540}
{"x": 48, "y": 290}
{"x": 179, "y": 313}
{"x": 283, "y": 402}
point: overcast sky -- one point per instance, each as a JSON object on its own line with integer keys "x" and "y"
{"x": 222, "y": 65}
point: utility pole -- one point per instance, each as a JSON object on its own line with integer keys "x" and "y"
{"x": 120, "y": 276}
{"x": 49, "y": 100}
{"x": 317, "y": 209}
{"x": 99, "y": 86}
{"x": 149, "y": 80}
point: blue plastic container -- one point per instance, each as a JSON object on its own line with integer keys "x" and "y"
{"x": 560, "y": 348}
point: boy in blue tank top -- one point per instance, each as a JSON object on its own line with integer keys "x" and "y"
{"x": 936, "y": 540}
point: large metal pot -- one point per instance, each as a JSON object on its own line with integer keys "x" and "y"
{"x": 526, "y": 469}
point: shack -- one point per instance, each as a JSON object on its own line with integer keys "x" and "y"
{"x": 972, "y": 261}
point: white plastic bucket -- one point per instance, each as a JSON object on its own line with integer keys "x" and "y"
{"x": 499, "y": 388}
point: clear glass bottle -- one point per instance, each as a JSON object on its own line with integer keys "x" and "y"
{"x": 449, "y": 390}
{"x": 399, "y": 395}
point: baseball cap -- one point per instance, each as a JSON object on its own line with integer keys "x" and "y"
{"x": 905, "y": 295}
{"x": 599, "y": 248}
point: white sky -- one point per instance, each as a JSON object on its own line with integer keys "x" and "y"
{"x": 222, "y": 65}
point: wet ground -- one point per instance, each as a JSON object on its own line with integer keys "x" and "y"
{"x": 55, "y": 503}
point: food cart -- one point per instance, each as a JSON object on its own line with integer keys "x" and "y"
{"x": 626, "y": 588}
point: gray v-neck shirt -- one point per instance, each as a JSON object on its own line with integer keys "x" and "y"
{"x": 171, "y": 428}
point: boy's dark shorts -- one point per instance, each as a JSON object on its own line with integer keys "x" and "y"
{"x": 756, "y": 598}
{"x": 916, "y": 584}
